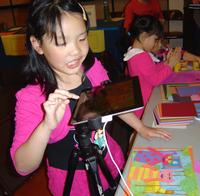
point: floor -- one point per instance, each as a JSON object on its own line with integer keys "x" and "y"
{"x": 36, "y": 184}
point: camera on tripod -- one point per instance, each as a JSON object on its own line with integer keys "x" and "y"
{"x": 94, "y": 108}
{"x": 108, "y": 100}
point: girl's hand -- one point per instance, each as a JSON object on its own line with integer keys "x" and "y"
{"x": 55, "y": 107}
{"x": 149, "y": 133}
{"x": 143, "y": 130}
{"x": 174, "y": 56}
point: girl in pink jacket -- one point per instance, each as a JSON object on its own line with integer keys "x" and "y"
{"x": 145, "y": 35}
{"x": 60, "y": 66}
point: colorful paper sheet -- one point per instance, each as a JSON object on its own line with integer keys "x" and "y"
{"x": 159, "y": 172}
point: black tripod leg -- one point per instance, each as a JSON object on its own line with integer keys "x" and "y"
{"x": 105, "y": 169}
{"x": 73, "y": 161}
{"x": 95, "y": 185}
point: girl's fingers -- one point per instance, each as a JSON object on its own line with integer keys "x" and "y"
{"x": 66, "y": 93}
{"x": 56, "y": 104}
{"x": 62, "y": 94}
{"x": 159, "y": 133}
{"x": 55, "y": 97}
{"x": 149, "y": 133}
{"x": 163, "y": 134}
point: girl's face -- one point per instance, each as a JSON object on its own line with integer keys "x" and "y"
{"x": 66, "y": 59}
{"x": 149, "y": 42}
{"x": 157, "y": 46}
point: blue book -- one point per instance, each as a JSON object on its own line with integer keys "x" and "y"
{"x": 188, "y": 91}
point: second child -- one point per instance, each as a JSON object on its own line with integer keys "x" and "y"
{"x": 145, "y": 33}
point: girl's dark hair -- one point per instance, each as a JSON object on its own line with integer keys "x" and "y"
{"x": 146, "y": 23}
{"x": 43, "y": 17}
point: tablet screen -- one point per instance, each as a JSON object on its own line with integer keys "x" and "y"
{"x": 110, "y": 99}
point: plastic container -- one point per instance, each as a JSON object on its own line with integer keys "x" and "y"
{"x": 14, "y": 44}
{"x": 96, "y": 40}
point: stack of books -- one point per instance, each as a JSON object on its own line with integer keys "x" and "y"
{"x": 174, "y": 114}
{"x": 184, "y": 92}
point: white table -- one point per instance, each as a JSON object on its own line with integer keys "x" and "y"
{"x": 181, "y": 138}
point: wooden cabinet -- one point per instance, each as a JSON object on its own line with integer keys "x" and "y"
{"x": 116, "y": 7}
{"x": 176, "y": 25}
{"x": 173, "y": 12}
{"x": 13, "y": 13}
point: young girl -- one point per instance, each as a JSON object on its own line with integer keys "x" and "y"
{"x": 60, "y": 66}
{"x": 145, "y": 33}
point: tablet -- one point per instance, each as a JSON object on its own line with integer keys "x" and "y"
{"x": 108, "y": 100}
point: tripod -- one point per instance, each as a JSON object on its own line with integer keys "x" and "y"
{"x": 91, "y": 156}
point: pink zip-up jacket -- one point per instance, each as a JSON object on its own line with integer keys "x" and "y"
{"x": 29, "y": 114}
{"x": 150, "y": 71}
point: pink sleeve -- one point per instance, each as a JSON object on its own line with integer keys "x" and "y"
{"x": 97, "y": 73}
{"x": 28, "y": 115}
{"x": 148, "y": 70}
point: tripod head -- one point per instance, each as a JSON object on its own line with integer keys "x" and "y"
{"x": 83, "y": 135}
